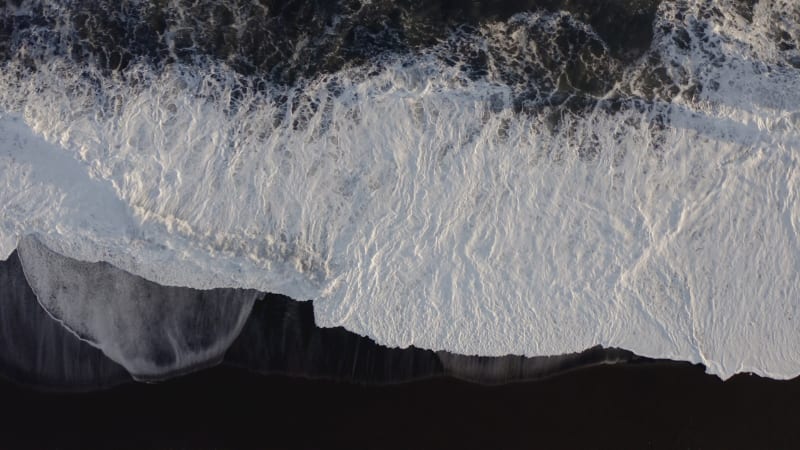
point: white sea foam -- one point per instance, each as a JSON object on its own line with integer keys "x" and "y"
{"x": 413, "y": 210}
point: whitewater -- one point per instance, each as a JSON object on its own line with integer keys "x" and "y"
{"x": 418, "y": 206}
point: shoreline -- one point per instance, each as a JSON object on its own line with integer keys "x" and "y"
{"x": 279, "y": 338}
{"x": 286, "y": 383}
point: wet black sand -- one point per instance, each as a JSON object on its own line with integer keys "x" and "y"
{"x": 651, "y": 405}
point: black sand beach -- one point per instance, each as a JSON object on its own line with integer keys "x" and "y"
{"x": 642, "y": 406}
{"x": 286, "y": 383}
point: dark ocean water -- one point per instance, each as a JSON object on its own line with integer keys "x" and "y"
{"x": 273, "y": 43}
{"x": 264, "y": 37}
